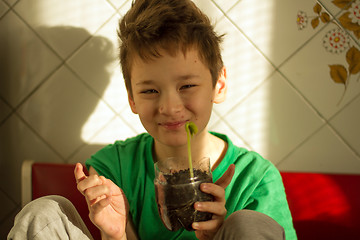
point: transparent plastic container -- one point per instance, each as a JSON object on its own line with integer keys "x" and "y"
{"x": 176, "y": 192}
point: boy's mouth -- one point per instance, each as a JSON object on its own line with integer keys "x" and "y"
{"x": 173, "y": 125}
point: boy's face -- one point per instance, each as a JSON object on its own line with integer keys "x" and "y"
{"x": 169, "y": 91}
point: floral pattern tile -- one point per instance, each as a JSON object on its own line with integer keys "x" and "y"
{"x": 271, "y": 26}
{"x": 321, "y": 74}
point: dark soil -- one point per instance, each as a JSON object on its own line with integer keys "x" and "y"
{"x": 176, "y": 199}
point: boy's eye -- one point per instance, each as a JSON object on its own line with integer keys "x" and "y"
{"x": 149, "y": 91}
{"x": 187, "y": 86}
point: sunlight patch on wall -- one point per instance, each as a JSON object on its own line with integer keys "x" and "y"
{"x": 247, "y": 104}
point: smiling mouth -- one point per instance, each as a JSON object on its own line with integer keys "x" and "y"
{"x": 173, "y": 125}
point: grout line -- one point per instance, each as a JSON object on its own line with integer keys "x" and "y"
{"x": 341, "y": 138}
{"x": 9, "y": 197}
{"x": 246, "y": 96}
{"x": 12, "y": 110}
{"x": 303, "y": 45}
{"x": 306, "y": 139}
{"x": 85, "y": 143}
{"x": 37, "y": 87}
{"x": 343, "y": 107}
{"x": 39, "y": 136}
{"x": 337, "y": 22}
{"x": 307, "y": 101}
{"x": 16, "y": 209}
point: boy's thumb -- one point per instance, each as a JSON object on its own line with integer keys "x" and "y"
{"x": 226, "y": 178}
{"x": 79, "y": 172}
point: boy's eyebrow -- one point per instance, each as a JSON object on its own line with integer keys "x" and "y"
{"x": 179, "y": 78}
{"x": 188, "y": 76}
{"x": 145, "y": 82}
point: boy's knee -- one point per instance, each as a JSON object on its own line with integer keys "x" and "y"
{"x": 47, "y": 206}
{"x": 52, "y": 216}
{"x": 248, "y": 224}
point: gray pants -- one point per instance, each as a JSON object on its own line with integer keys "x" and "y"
{"x": 54, "y": 217}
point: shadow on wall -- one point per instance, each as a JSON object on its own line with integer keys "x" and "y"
{"x": 48, "y": 99}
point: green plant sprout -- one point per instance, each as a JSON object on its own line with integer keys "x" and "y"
{"x": 191, "y": 129}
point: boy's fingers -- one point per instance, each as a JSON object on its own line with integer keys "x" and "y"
{"x": 225, "y": 179}
{"x": 79, "y": 173}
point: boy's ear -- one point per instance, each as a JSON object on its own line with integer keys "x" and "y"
{"x": 132, "y": 104}
{"x": 221, "y": 87}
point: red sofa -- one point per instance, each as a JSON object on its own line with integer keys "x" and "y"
{"x": 323, "y": 206}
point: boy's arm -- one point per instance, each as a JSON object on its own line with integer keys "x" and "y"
{"x": 269, "y": 198}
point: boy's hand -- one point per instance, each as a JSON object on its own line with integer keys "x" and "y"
{"x": 106, "y": 201}
{"x": 208, "y": 229}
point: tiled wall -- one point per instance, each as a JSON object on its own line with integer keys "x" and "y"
{"x": 62, "y": 96}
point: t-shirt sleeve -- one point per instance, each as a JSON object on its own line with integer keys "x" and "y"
{"x": 269, "y": 198}
{"x": 106, "y": 163}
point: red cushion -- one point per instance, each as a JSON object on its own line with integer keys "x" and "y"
{"x": 58, "y": 179}
{"x": 324, "y": 206}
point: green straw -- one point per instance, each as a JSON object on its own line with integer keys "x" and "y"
{"x": 191, "y": 129}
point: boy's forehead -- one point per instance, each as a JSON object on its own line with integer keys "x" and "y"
{"x": 179, "y": 62}
{"x": 137, "y": 58}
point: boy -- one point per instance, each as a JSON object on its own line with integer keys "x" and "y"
{"x": 173, "y": 71}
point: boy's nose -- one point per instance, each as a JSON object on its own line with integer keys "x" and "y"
{"x": 170, "y": 104}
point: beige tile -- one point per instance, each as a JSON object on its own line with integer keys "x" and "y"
{"x": 309, "y": 71}
{"x": 84, "y": 153}
{"x": 7, "y": 205}
{"x": 274, "y": 119}
{"x": 11, "y": 2}
{"x": 323, "y": 152}
{"x": 210, "y": 9}
{"x": 116, "y": 129}
{"x": 347, "y": 124}
{"x": 271, "y": 25}
{"x": 18, "y": 143}
{"x": 27, "y": 61}
{"x": 5, "y": 110}
{"x": 97, "y": 64}
{"x": 119, "y": 3}
{"x": 246, "y": 67}
{"x": 226, "y": 5}
{"x": 67, "y": 24}
{"x": 59, "y": 110}
{"x": 3, "y": 8}
{"x": 125, "y": 7}
{"x": 214, "y": 118}
{"x": 224, "y": 128}
{"x": 132, "y": 120}
{"x": 7, "y": 224}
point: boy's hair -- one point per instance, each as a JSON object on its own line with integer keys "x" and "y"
{"x": 172, "y": 25}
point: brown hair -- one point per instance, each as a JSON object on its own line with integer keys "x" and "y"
{"x": 172, "y": 25}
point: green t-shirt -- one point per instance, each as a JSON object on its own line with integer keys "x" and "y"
{"x": 256, "y": 185}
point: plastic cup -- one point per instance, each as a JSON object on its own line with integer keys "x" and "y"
{"x": 176, "y": 191}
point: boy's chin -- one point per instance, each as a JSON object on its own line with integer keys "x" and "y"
{"x": 174, "y": 141}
